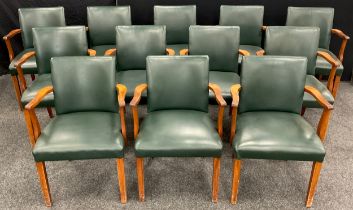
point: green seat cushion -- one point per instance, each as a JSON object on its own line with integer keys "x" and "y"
{"x": 80, "y": 135}
{"x": 276, "y": 136}
{"x": 100, "y": 49}
{"x": 178, "y": 133}
{"x": 131, "y": 79}
{"x": 224, "y": 80}
{"x": 29, "y": 67}
{"x": 32, "y": 90}
{"x": 250, "y": 48}
{"x": 323, "y": 67}
{"x": 309, "y": 100}
{"x": 178, "y": 47}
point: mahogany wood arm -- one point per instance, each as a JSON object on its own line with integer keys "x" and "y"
{"x": 170, "y": 51}
{"x": 260, "y": 52}
{"x": 121, "y": 100}
{"x": 234, "y": 90}
{"x": 110, "y": 52}
{"x": 32, "y": 122}
{"x": 18, "y": 65}
{"x": 7, "y": 39}
{"x": 91, "y": 52}
{"x": 335, "y": 64}
{"x": 222, "y": 104}
{"x": 134, "y": 106}
{"x": 344, "y": 38}
{"x": 244, "y": 52}
{"x": 324, "y": 120}
{"x": 184, "y": 52}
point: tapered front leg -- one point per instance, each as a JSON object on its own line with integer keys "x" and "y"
{"x": 43, "y": 178}
{"x": 140, "y": 178}
{"x": 235, "y": 182}
{"x": 121, "y": 179}
{"x": 215, "y": 178}
{"x": 314, "y": 178}
{"x": 16, "y": 86}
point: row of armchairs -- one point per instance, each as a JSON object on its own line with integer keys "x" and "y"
{"x": 90, "y": 120}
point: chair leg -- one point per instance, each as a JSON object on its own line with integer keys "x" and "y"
{"x": 43, "y": 178}
{"x": 16, "y": 86}
{"x": 140, "y": 178}
{"x": 336, "y": 85}
{"x": 33, "y": 77}
{"x": 50, "y": 112}
{"x": 314, "y": 178}
{"x": 215, "y": 178}
{"x": 303, "y": 111}
{"x": 235, "y": 182}
{"x": 121, "y": 179}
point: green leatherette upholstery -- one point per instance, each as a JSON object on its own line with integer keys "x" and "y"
{"x": 225, "y": 80}
{"x": 178, "y": 83}
{"x": 178, "y": 133}
{"x": 73, "y": 88}
{"x": 102, "y": 22}
{"x": 313, "y": 17}
{"x": 39, "y": 17}
{"x": 131, "y": 79}
{"x": 177, "y": 20}
{"x": 309, "y": 100}
{"x": 285, "y": 91}
{"x": 29, "y": 67}
{"x": 41, "y": 81}
{"x": 248, "y": 18}
{"x": 323, "y": 67}
{"x": 87, "y": 125}
{"x": 276, "y": 136}
{"x": 294, "y": 41}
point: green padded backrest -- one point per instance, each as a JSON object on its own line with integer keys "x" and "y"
{"x": 83, "y": 83}
{"x": 58, "y": 41}
{"x": 39, "y": 17}
{"x": 220, "y": 43}
{"x": 248, "y": 18}
{"x": 294, "y": 41}
{"x": 177, "y": 82}
{"x": 102, "y": 22}
{"x": 135, "y": 43}
{"x": 314, "y": 17}
{"x": 177, "y": 19}
{"x": 272, "y": 83}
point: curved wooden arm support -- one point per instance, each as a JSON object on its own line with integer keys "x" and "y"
{"x": 19, "y": 69}
{"x": 110, "y": 52}
{"x": 7, "y": 39}
{"x": 184, "y": 52}
{"x": 264, "y": 28}
{"x": 121, "y": 100}
{"x": 324, "y": 120}
{"x": 170, "y": 51}
{"x": 344, "y": 38}
{"x": 39, "y": 97}
{"x": 91, "y": 52}
{"x": 222, "y": 104}
{"x": 335, "y": 64}
{"x": 244, "y": 52}
{"x": 260, "y": 53}
{"x": 134, "y": 102}
{"x": 234, "y": 90}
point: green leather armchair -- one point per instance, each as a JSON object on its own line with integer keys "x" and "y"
{"x": 89, "y": 123}
{"x": 221, "y": 44}
{"x": 302, "y": 41}
{"x": 322, "y": 18}
{"x": 177, "y": 19}
{"x": 133, "y": 45}
{"x": 267, "y": 124}
{"x": 50, "y": 42}
{"x": 178, "y": 122}
{"x": 250, "y": 21}
{"x": 30, "y": 18}
{"x": 101, "y": 25}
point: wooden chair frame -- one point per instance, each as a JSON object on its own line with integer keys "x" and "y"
{"x": 321, "y": 132}
{"x": 242, "y": 52}
{"x": 113, "y": 51}
{"x": 139, "y": 160}
{"x": 34, "y": 131}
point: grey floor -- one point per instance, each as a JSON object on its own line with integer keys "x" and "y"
{"x": 174, "y": 183}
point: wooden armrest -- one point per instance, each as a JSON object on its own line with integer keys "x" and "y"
{"x": 318, "y": 96}
{"x": 170, "y": 51}
{"x": 328, "y": 58}
{"x": 25, "y": 58}
{"x": 234, "y": 91}
{"x": 111, "y": 52}
{"x": 18, "y": 65}
{"x": 244, "y": 52}
{"x": 137, "y": 94}
{"x": 340, "y": 34}
{"x": 264, "y": 28}
{"x": 260, "y": 53}
{"x": 12, "y": 34}
{"x": 39, "y": 97}
{"x": 218, "y": 93}
{"x": 91, "y": 52}
{"x": 121, "y": 94}
{"x": 7, "y": 40}
{"x": 334, "y": 63}
{"x": 184, "y": 52}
